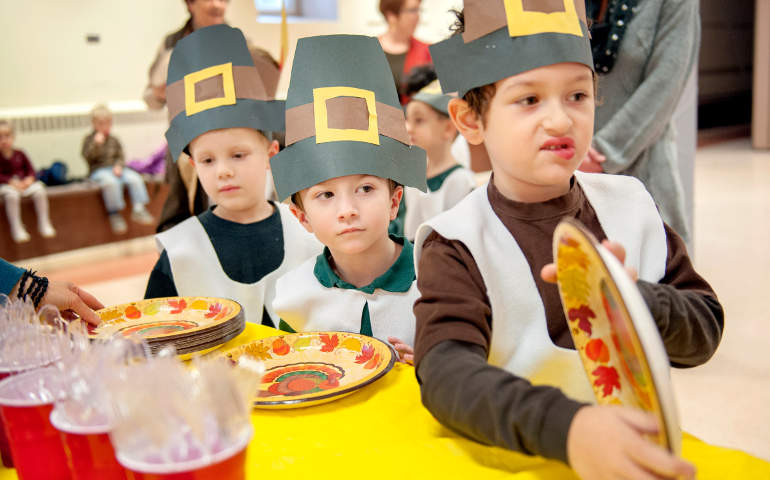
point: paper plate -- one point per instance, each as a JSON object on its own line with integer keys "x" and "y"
{"x": 613, "y": 331}
{"x": 190, "y": 324}
{"x": 309, "y": 368}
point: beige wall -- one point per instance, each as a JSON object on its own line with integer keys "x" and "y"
{"x": 45, "y": 44}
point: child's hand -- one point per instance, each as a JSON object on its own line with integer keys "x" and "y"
{"x": 68, "y": 296}
{"x": 592, "y": 163}
{"x": 548, "y": 272}
{"x": 405, "y": 352}
{"x": 607, "y": 442}
{"x": 117, "y": 170}
{"x": 99, "y": 138}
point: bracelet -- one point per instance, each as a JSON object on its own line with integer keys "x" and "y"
{"x": 38, "y": 286}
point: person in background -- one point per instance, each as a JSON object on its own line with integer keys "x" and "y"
{"x": 106, "y": 166}
{"x": 17, "y": 179}
{"x": 403, "y": 51}
{"x": 16, "y": 282}
{"x": 643, "y": 51}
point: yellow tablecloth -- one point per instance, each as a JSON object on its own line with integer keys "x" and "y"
{"x": 383, "y": 431}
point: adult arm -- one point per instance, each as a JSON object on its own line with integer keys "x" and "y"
{"x": 457, "y": 384}
{"x": 645, "y": 115}
{"x": 685, "y": 308}
{"x": 161, "y": 282}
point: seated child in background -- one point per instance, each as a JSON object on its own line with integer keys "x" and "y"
{"x": 17, "y": 179}
{"x": 429, "y": 127}
{"x": 106, "y": 166}
{"x": 346, "y": 160}
{"x": 494, "y": 355}
{"x": 239, "y": 247}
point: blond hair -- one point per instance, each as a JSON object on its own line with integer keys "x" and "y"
{"x": 6, "y": 124}
{"x": 100, "y": 111}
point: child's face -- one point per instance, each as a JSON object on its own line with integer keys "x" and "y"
{"x": 427, "y": 128}
{"x": 102, "y": 125}
{"x": 349, "y": 214}
{"x": 231, "y": 164}
{"x": 6, "y": 139}
{"x": 537, "y": 129}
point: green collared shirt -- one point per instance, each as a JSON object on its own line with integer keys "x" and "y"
{"x": 398, "y": 278}
{"x": 435, "y": 182}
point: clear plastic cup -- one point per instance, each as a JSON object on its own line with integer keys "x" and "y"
{"x": 229, "y": 463}
{"x": 26, "y": 402}
{"x": 89, "y": 451}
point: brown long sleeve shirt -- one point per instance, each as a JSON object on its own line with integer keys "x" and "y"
{"x": 455, "y": 327}
{"x": 107, "y": 154}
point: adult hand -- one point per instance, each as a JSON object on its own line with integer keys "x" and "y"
{"x": 548, "y": 272}
{"x": 99, "y": 138}
{"x": 117, "y": 170}
{"x": 67, "y": 296}
{"x": 405, "y": 352}
{"x": 608, "y": 442}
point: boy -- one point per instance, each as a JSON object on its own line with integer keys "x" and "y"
{"x": 221, "y": 115}
{"x": 346, "y": 160}
{"x": 429, "y": 127}
{"x": 106, "y": 166}
{"x": 493, "y": 353}
{"x": 17, "y": 179}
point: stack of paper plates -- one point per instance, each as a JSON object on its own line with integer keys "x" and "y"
{"x": 189, "y": 324}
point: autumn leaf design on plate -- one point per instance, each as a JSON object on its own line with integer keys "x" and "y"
{"x": 597, "y": 351}
{"x": 367, "y": 352}
{"x": 583, "y": 314}
{"x": 607, "y": 378}
{"x": 330, "y": 342}
{"x": 177, "y": 306}
{"x": 214, "y": 310}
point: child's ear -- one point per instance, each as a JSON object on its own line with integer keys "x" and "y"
{"x": 272, "y": 150}
{"x": 301, "y": 216}
{"x": 395, "y": 201}
{"x": 467, "y": 121}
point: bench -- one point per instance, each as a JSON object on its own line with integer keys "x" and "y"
{"x": 80, "y": 219}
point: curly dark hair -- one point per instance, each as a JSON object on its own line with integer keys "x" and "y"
{"x": 419, "y": 77}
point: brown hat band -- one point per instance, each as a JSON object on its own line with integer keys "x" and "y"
{"x": 483, "y": 17}
{"x": 213, "y": 87}
{"x": 345, "y": 114}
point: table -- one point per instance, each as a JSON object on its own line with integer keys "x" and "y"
{"x": 383, "y": 431}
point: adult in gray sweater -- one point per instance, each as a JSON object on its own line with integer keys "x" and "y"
{"x": 644, "y": 51}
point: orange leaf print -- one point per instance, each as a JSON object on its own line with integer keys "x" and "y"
{"x": 367, "y": 352}
{"x": 583, "y": 314}
{"x": 330, "y": 342}
{"x": 373, "y": 362}
{"x": 597, "y": 351}
{"x": 177, "y": 306}
{"x": 607, "y": 378}
{"x": 132, "y": 312}
{"x": 259, "y": 351}
{"x": 213, "y": 310}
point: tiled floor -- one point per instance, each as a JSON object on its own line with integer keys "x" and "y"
{"x": 725, "y": 402}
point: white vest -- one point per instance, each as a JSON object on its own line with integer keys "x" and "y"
{"x": 306, "y": 305}
{"x": 197, "y": 271}
{"x": 421, "y": 206}
{"x": 520, "y": 340}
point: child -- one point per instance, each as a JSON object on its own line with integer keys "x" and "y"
{"x": 106, "y": 166}
{"x": 221, "y": 115}
{"x": 429, "y": 127}
{"x": 494, "y": 355}
{"x": 346, "y": 160}
{"x": 17, "y": 179}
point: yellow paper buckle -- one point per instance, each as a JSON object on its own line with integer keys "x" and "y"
{"x": 522, "y": 23}
{"x": 325, "y": 134}
{"x": 192, "y": 106}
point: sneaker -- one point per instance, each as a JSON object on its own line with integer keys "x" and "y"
{"x": 20, "y": 236}
{"x": 47, "y": 231}
{"x": 117, "y": 223}
{"x": 142, "y": 216}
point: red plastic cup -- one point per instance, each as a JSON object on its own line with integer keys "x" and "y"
{"x": 35, "y": 444}
{"x": 89, "y": 451}
{"x": 5, "y": 448}
{"x": 228, "y": 464}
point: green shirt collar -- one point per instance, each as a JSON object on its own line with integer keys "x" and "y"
{"x": 435, "y": 182}
{"x": 398, "y": 278}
